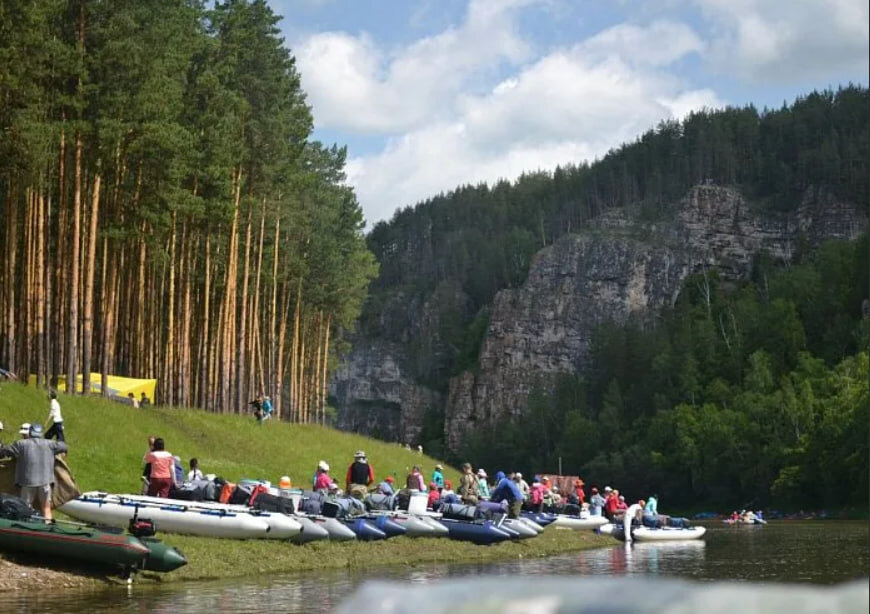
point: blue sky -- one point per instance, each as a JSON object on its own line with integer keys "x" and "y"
{"x": 431, "y": 94}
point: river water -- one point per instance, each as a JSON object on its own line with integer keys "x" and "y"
{"x": 817, "y": 552}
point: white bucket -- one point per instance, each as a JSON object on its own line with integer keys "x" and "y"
{"x": 417, "y": 503}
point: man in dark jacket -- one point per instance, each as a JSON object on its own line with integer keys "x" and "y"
{"x": 360, "y": 475}
{"x": 34, "y": 469}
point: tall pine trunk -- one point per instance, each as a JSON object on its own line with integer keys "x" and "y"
{"x": 88, "y": 316}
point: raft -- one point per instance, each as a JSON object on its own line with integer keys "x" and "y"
{"x": 311, "y": 531}
{"x": 517, "y": 525}
{"x": 281, "y": 526}
{"x": 478, "y": 532}
{"x": 73, "y": 542}
{"x": 578, "y": 523}
{"x": 389, "y": 526}
{"x": 364, "y": 530}
{"x": 415, "y": 526}
{"x": 117, "y": 510}
{"x": 646, "y": 534}
{"x": 161, "y": 556}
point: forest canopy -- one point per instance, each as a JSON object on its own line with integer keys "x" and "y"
{"x": 167, "y": 213}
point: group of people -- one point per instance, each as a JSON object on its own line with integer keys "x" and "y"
{"x": 34, "y": 452}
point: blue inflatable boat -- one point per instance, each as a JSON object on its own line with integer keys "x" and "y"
{"x": 479, "y": 532}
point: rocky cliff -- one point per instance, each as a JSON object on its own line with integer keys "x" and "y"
{"x": 619, "y": 268}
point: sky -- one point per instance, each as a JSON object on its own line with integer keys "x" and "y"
{"x": 429, "y": 95}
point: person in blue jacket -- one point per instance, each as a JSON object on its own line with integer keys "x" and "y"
{"x": 506, "y": 490}
{"x": 651, "y": 511}
{"x": 438, "y": 476}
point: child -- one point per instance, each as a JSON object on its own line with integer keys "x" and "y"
{"x": 194, "y": 473}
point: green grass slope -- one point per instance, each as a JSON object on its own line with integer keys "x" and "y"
{"x": 107, "y": 441}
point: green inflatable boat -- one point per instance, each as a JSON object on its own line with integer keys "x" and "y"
{"x": 82, "y": 543}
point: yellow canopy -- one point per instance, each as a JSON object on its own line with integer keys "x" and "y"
{"x": 117, "y": 385}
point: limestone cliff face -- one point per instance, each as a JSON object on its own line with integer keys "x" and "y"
{"x": 375, "y": 397}
{"x": 620, "y": 269}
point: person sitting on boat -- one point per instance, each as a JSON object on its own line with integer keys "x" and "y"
{"x": 333, "y": 492}
{"x": 194, "y": 473}
{"x": 482, "y": 486}
{"x": 162, "y": 473}
{"x": 415, "y": 480}
{"x": 438, "y": 476}
{"x": 469, "y": 491}
{"x": 34, "y": 467}
{"x": 621, "y": 505}
{"x": 507, "y": 490}
{"x": 385, "y": 487}
{"x": 360, "y": 475}
{"x": 322, "y": 479}
{"x": 448, "y": 495}
{"x": 596, "y": 502}
{"x": 434, "y": 496}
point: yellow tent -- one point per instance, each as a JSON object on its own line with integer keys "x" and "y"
{"x": 117, "y": 385}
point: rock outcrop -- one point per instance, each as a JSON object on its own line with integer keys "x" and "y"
{"x": 376, "y": 397}
{"x": 620, "y": 268}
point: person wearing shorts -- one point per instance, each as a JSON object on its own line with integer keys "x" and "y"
{"x": 34, "y": 469}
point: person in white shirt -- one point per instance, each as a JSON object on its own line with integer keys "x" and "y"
{"x": 194, "y": 473}
{"x": 54, "y": 425}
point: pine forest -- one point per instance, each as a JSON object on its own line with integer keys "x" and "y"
{"x": 166, "y": 213}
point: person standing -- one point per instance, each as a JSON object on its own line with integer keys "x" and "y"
{"x": 55, "y": 420}
{"x": 34, "y": 469}
{"x": 438, "y": 476}
{"x": 144, "y": 400}
{"x": 322, "y": 479}
{"x": 162, "y": 470}
{"x": 482, "y": 486}
{"x": 469, "y": 490}
{"x": 360, "y": 475}
{"x": 415, "y": 480}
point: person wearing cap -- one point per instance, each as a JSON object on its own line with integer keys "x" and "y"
{"x": 385, "y": 487}
{"x": 507, "y": 490}
{"x": 596, "y": 503}
{"x": 360, "y": 475}
{"x": 482, "y": 486}
{"x": 612, "y": 499}
{"x": 438, "y": 476}
{"x": 415, "y": 480}
{"x": 24, "y": 430}
{"x": 322, "y": 479}
{"x": 536, "y": 495}
{"x": 54, "y": 424}
{"x": 469, "y": 491}
{"x": 285, "y": 483}
{"x": 34, "y": 467}
{"x": 577, "y": 495}
{"x": 522, "y": 485}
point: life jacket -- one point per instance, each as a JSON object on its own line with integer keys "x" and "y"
{"x": 413, "y": 481}
{"x": 359, "y": 473}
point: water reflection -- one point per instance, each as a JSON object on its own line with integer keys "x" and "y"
{"x": 812, "y": 552}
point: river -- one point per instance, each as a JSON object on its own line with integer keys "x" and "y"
{"x": 817, "y": 552}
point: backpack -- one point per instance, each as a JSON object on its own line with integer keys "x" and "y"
{"x": 227, "y": 492}
{"x": 458, "y": 511}
{"x": 258, "y": 491}
{"x": 15, "y": 508}
{"x": 266, "y": 502}
{"x": 242, "y": 494}
{"x": 377, "y": 501}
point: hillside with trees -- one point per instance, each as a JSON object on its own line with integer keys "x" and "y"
{"x": 166, "y": 214}
{"x": 748, "y": 391}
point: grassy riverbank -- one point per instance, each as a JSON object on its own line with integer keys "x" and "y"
{"x": 214, "y": 559}
{"x": 107, "y": 441}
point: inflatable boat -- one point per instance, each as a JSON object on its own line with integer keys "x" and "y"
{"x": 281, "y": 526}
{"x": 363, "y": 529}
{"x": 117, "y": 510}
{"x": 578, "y": 523}
{"x": 82, "y": 543}
{"x": 481, "y": 532}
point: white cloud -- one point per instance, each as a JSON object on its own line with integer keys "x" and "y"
{"x": 569, "y": 106}
{"x": 357, "y": 86}
{"x": 772, "y": 40}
